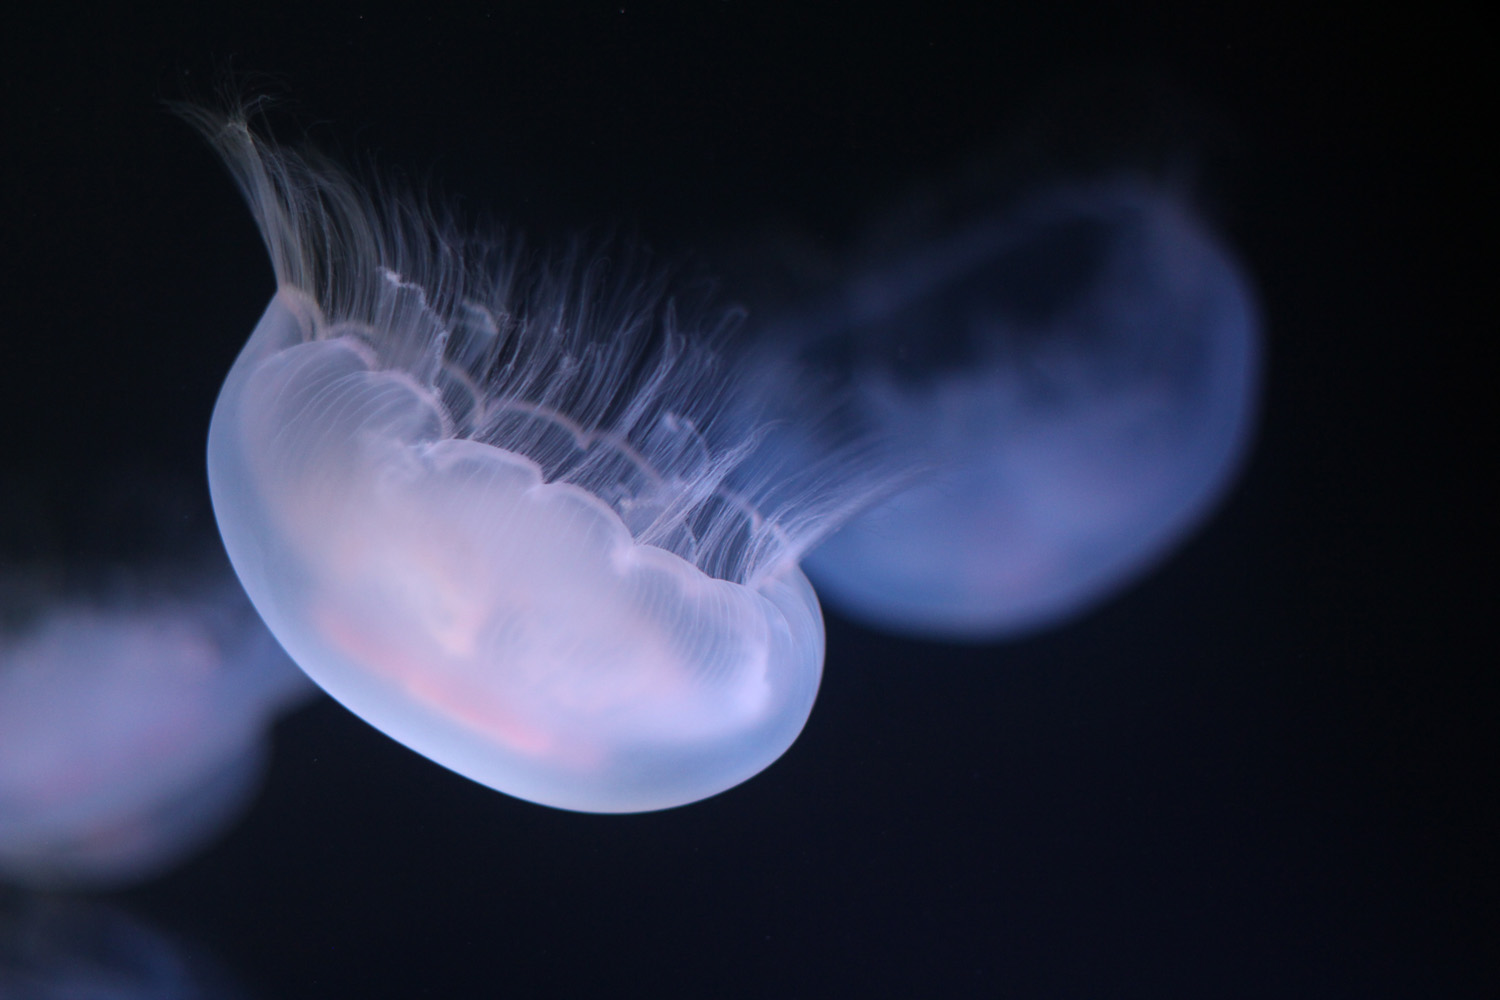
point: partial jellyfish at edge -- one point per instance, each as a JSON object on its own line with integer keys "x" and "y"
{"x": 132, "y": 733}
{"x": 56, "y": 947}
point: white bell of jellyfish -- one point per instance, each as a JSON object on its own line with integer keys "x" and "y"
{"x": 131, "y": 736}
{"x": 500, "y": 514}
{"x": 1074, "y": 384}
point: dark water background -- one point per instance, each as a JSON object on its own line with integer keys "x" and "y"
{"x": 1264, "y": 772}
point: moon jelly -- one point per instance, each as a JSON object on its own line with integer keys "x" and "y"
{"x": 498, "y": 508}
{"x": 130, "y": 737}
{"x": 1077, "y": 381}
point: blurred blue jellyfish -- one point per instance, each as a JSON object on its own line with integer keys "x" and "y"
{"x": 498, "y": 511}
{"x": 62, "y": 948}
{"x": 131, "y": 736}
{"x": 1075, "y": 385}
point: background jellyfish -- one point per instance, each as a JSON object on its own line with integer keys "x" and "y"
{"x": 60, "y": 948}
{"x": 137, "y": 685}
{"x": 1072, "y": 387}
{"x": 130, "y": 736}
{"x": 496, "y": 511}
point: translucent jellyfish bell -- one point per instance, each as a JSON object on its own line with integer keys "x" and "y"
{"x": 1076, "y": 385}
{"x": 497, "y": 512}
{"x": 129, "y": 737}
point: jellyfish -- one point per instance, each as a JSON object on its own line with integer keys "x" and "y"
{"x": 131, "y": 735}
{"x": 1071, "y": 387}
{"x": 65, "y": 948}
{"x": 495, "y": 504}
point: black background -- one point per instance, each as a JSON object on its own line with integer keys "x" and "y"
{"x": 1264, "y": 772}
